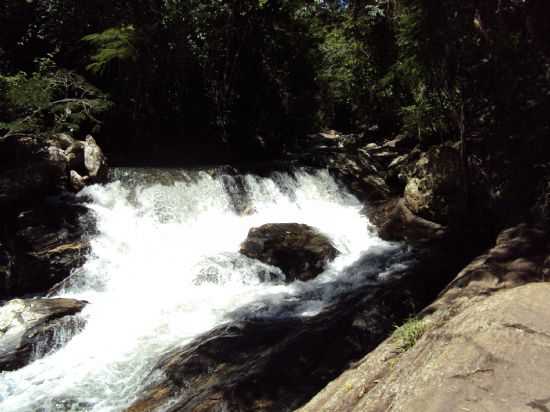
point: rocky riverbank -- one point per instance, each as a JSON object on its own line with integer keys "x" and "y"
{"x": 423, "y": 197}
{"x": 482, "y": 345}
{"x": 42, "y": 222}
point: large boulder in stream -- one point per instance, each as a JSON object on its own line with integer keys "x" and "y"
{"x": 28, "y": 328}
{"x": 300, "y": 251}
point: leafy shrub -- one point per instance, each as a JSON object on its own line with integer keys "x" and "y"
{"x": 49, "y": 99}
{"x": 112, "y": 45}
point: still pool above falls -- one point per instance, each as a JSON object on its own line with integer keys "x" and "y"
{"x": 164, "y": 268}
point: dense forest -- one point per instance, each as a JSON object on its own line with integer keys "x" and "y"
{"x": 256, "y": 75}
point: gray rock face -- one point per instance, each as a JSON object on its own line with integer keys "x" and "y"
{"x": 28, "y": 327}
{"x": 94, "y": 160}
{"x": 434, "y": 190}
{"x": 300, "y": 251}
{"x": 485, "y": 348}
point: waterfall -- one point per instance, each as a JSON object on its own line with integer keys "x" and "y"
{"x": 164, "y": 267}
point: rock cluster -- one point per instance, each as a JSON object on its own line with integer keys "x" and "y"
{"x": 41, "y": 222}
{"x": 411, "y": 194}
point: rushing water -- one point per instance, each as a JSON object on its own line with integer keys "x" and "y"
{"x": 164, "y": 267}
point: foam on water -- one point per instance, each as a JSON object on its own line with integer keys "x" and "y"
{"x": 164, "y": 267}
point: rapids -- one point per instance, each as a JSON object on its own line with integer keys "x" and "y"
{"x": 164, "y": 267}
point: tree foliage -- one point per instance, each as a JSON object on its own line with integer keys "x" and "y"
{"x": 113, "y": 46}
{"x": 242, "y": 72}
{"x": 50, "y": 99}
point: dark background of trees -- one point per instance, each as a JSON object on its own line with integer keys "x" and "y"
{"x": 250, "y": 77}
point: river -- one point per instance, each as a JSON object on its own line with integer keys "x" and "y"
{"x": 164, "y": 267}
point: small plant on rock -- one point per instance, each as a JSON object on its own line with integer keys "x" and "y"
{"x": 408, "y": 334}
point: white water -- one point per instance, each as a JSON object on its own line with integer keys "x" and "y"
{"x": 165, "y": 267}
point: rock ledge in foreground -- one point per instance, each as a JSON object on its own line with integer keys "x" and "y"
{"x": 486, "y": 347}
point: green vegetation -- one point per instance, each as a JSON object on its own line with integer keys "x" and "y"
{"x": 50, "y": 99}
{"x": 113, "y": 45}
{"x": 408, "y": 334}
{"x": 236, "y": 72}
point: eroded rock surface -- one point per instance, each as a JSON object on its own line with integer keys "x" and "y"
{"x": 300, "y": 251}
{"x": 487, "y": 345}
{"x": 28, "y": 328}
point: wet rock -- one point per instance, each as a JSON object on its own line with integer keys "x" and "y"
{"x": 300, "y": 251}
{"x": 220, "y": 269}
{"x": 49, "y": 243}
{"x": 435, "y": 190}
{"x": 27, "y": 328}
{"x": 396, "y": 222}
{"x": 273, "y": 361}
{"x": 263, "y": 365}
{"x": 485, "y": 345}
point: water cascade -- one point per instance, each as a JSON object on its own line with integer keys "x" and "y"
{"x": 164, "y": 267}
